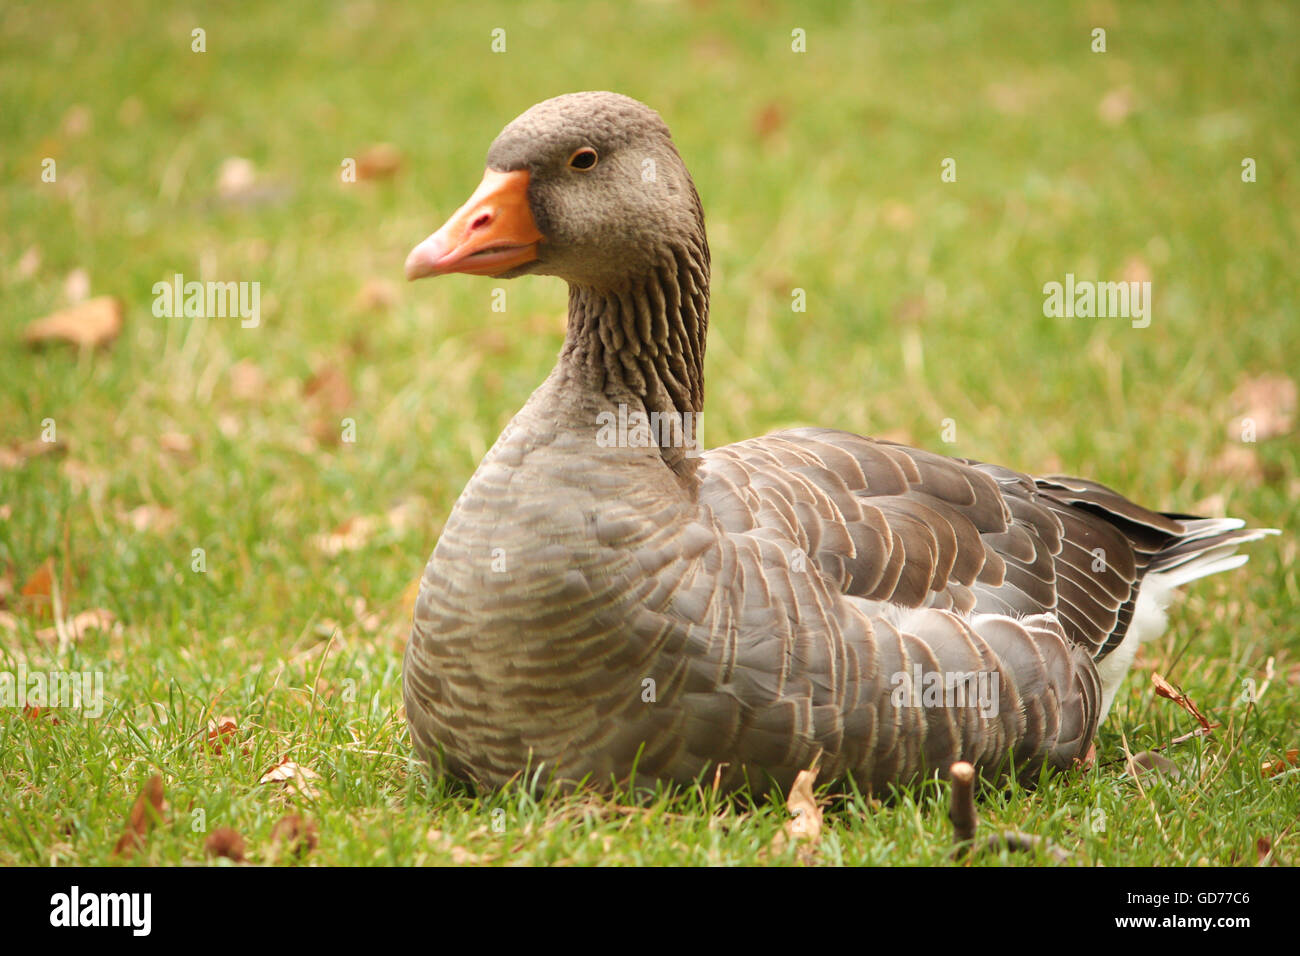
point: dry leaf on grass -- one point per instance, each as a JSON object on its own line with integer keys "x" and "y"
{"x": 380, "y": 161}
{"x": 1167, "y": 690}
{"x": 94, "y": 323}
{"x": 328, "y": 389}
{"x": 1240, "y": 462}
{"x": 297, "y": 777}
{"x": 805, "y": 829}
{"x": 147, "y": 811}
{"x": 150, "y": 518}
{"x": 1007, "y": 97}
{"x": 460, "y": 856}
{"x": 1265, "y": 406}
{"x": 77, "y": 120}
{"x": 36, "y": 595}
{"x": 41, "y": 581}
{"x": 17, "y": 455}
{"x": 376, "y": 295}
{"x": 769, "y": 120}
{"x": 76, "y": 286}
{"x": 31, "y": 712}
{"x": 79, "y": 625}
{"x": 221, "y": 731}
{"x": 1271, "y": 768}
{"x": 176, "y": 443}
{"x": 897, "y": 215}
{"x": 236, "y": 178}
{"x": 226, "y": 842}
{"x": 294, "y": 835}
{"x": 351, "y": 535}
{"x": 1135, "y": 269}
{"x": 1264, "y": 854}
{"x": 247, "y": 381}
{"x": 29, "y": 263}
{"x": 330, "y": 396}
{"x": 1115, "y": 106}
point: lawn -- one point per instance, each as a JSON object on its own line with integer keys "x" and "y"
{"x": 252, "y": 506}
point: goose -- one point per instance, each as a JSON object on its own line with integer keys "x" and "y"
{"x": 607, "y": 605}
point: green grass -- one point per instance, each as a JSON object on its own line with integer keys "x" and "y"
{"x": 924, "y": 304}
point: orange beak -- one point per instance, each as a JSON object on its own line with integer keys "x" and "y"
{"x": 491, "y": 234}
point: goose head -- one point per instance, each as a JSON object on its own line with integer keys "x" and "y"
{"x": 587, "y": 187}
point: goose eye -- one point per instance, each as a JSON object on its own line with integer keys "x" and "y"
{"x": 583, "y": 158}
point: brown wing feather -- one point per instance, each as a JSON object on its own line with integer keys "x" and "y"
{"x": 886, "y": 522}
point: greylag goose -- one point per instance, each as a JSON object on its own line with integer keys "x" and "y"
{"x": 608, "y": 605}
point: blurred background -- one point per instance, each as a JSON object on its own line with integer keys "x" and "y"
{"x": 820, "y": 169}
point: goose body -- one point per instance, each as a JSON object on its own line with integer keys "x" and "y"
{"x": 608, "y": 604}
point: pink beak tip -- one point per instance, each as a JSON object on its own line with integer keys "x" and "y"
{"x": 423, "y": 260}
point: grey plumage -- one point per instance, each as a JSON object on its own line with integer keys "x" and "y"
{"x": 598, "y": 610}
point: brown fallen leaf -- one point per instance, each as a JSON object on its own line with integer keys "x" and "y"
{"x": 77, "y": 120}
{"x": 1115, "y": 106}
{"x": 29, "y": 263}
{"x": 226, "y": 842}
{"x": 1271, "y": 768}
{"x": 1240, "y": 462}
{"x": 236, "y": 177}
{"x": 91, "y": 324}
{"x": 1264, "y": 854}
{"x": 805, "y": 829}
{"x": 1168, "y": 691}
{"x": 41, "y": 581}
{"x": 1135, "y": 269}
{"x": 176, "y": 443}
{"x": 295, "y": 835}
{"x": 376, "y": 295}
{"x": 769, "y": 120}
{"x": 297, "y": 777}
{"x": 76, "y": 286}
{"x": 351, "y": 535}
{"x": 328, "y": 389}
{"x": 150, "y": 518}
{"x": 221, "y": 731}
{"x": 82, "y": 477}
{"x": 1264, "y": 405}
{"x": 17, "y": 455}
{"x": 1007, "y": 97}
{"x": 147, "y": 811}
{"x": 381, "y": 161}
{"x": 247, "y": 381}
{"x": 79, "y": 625}
{"x": 36, "y": 593}
{"x": 897, "y": 215}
